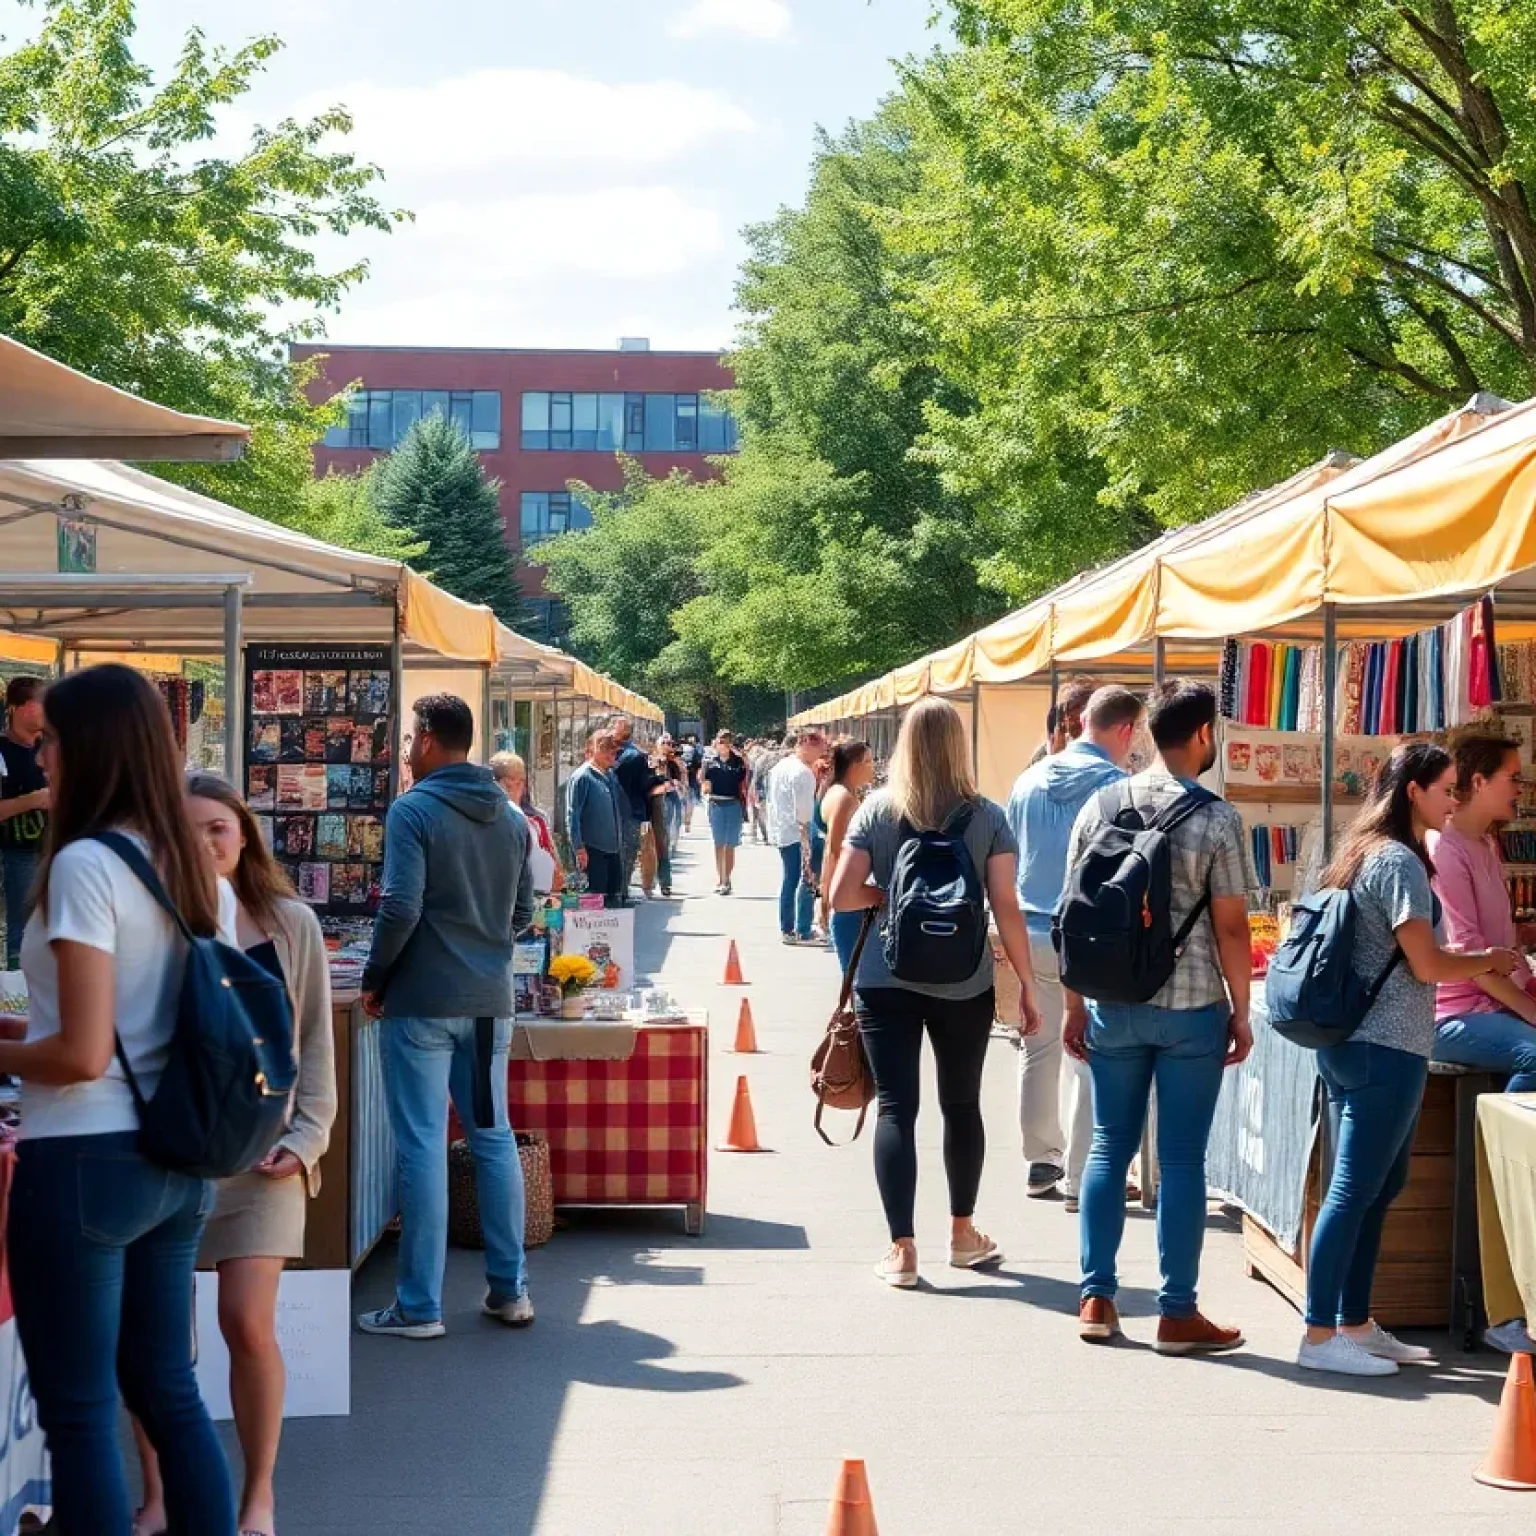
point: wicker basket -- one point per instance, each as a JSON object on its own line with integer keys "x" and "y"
{"x": 538, "y": 1189}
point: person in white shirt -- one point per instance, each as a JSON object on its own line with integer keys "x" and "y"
{"x": 791, "y": 807}
{"x": 101, "y": 1242}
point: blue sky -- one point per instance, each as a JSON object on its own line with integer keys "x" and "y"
{"x": 580, "y": 169}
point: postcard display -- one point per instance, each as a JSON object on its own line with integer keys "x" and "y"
{"x": 321, "y": 724}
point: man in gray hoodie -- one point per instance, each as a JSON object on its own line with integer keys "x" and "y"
{"x": 457, "y": 887}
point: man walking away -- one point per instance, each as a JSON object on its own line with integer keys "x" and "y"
{"x": 1180, "y": 1039}
{"x": 1044, "y": 806}
{"x": 594, "y": 819}
{"x": 632, "y": 772}
{"x": 24, "y": 802}
{"x": 457, "y": 886}
{"x": 791, "y": 806}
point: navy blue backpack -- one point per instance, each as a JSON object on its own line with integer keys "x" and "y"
{"x": 936, "y": 915}
{"x": 1314, "y": 997}
{"x": 222, "y": 1101}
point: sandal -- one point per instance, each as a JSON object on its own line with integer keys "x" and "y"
{"x": 980, "y": 1250}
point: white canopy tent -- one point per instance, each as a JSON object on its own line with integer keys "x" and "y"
{"x": 48, "y": 410}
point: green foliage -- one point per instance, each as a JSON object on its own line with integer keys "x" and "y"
{"x": 433, "y": 488}
{"x": 340, "y": 510}
{"x": 1205, "y": 244}
{"x": 129, "y": 251}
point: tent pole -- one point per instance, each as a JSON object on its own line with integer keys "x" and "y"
{"x": 396, "y": 699}
{"x": 976, "y": 729}
{"x": 485, "y": 712}
{"x": 234, "y": 685}
{"x": 1159, "y": 661}
{"x": 1330, "y": 710}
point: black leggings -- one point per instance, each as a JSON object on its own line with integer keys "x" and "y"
{"x": 891, "y": 1021}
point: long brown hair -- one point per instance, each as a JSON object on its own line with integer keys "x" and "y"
{"x": 119, "y": 767}
{"x": 258, "y": 880}
{"x": 1388, "y": 814}
{"x": 931, "y": 772}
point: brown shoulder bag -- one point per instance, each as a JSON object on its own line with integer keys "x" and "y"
{"x": 840, "y": 1075}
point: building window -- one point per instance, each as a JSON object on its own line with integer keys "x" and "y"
{"x": 633, "y": 423}
{"x": 547, "y": 514}
{"x": 380, "y": 418}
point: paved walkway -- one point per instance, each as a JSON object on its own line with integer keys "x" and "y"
{"x": 693, "y": 1387}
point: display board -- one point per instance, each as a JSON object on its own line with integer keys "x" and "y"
{"x": 318, "y": 750}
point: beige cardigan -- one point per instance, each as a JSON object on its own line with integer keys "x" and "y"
{"x": 306, "y": 970}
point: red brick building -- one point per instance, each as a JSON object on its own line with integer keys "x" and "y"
{"x": 540, "y": 419}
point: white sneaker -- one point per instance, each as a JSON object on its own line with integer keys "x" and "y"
{"x": 1384, "y": 1346}
{"x": 894, "y": 1271}
{"x": 515, "y": 1313}
{"x": 1511, "y": 1337}
{"x": 1343, "y": 1357}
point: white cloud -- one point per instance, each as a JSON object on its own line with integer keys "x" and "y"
{"x": 752, "y": 18}
{"x": 520, "y": 116}
{"x": 622, "y": 231}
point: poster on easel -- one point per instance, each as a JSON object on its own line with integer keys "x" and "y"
{"x": 319, "y": 740}
{"x": 607, "y": 938}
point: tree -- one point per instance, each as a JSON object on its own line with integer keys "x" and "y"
{"x": 128, "y": 251}
{"x": 1201, "y": 245}
{"x": 340, "y": 510}
{"x": 626, "y": 576}
{"x": 433, "y": 487}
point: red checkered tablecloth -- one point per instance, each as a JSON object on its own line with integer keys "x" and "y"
{"x": 623, "y": 1132}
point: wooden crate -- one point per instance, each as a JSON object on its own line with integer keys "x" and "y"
{"x": 1413, "y": 1275}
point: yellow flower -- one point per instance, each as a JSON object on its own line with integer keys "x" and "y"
{"x": 572, "y": 972}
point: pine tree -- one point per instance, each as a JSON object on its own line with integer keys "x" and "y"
{"x": 433, "y": 484}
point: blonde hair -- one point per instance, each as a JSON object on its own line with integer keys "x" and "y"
{"x": 931, "y": 774}
{"x": 505, "y": 764}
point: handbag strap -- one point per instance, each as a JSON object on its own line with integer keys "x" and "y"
{"x": 853, "y": 959}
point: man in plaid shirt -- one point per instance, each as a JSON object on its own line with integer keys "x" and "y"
{"x": 1181, "y": 1039}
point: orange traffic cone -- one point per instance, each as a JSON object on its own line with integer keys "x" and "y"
{"x": 733, "y": 976}
{"x": 746, "y": 1034}
{"x": 1511, "y": 1460}
{"x": 852, "y": 1512}
{"x": 742, "y": 1136}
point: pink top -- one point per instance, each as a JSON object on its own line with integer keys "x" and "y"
{"x": 1469, "y": 880}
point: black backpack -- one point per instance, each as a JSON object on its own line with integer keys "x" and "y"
{"x": 222, "y": 1101}
{"x": 936, "y": 915}
{"x": 1313, "y": 995}
{"x": 1113, "y": 929}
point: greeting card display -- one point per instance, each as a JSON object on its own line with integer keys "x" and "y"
{"x": 317, "y": 768}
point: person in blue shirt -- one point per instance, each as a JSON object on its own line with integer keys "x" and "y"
{"x": 1044, "y": 805}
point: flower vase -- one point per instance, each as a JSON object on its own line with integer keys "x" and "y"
{"x": 573, "y": 1006}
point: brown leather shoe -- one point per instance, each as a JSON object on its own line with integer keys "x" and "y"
{"x": 1097, "y": 1320}
{"x": 1195, "y": 1335}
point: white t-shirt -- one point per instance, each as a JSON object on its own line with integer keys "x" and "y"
{"x": 95, "y": 899}
{"x": 791, "y": 800}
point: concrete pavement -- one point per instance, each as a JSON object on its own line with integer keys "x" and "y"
{"x": 678, "y": 1386}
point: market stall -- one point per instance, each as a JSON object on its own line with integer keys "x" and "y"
{"x": 1338, "y": 611}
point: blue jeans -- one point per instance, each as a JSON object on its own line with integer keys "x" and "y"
{"x": 795, "y": 899}
{"x": 18, "y": 868}
{"x": 1374, "y": 1093}
{"x": 672, "y": 807}
{"x": 845, "y": 934}
{"x": 1182, "y": 1050}
{"x": 1492, "y": 1042}
{"x": 426, "y": 1060}
{"x": 101, "y": 1245}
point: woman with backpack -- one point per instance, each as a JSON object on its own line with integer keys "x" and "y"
{"x": 101, "y": 1242}
{"x": 258, "y": 1217}
{"x": 1375, "y": 1079}
{"x": 853, "y": 771}
{"x": 931, "y": 829}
